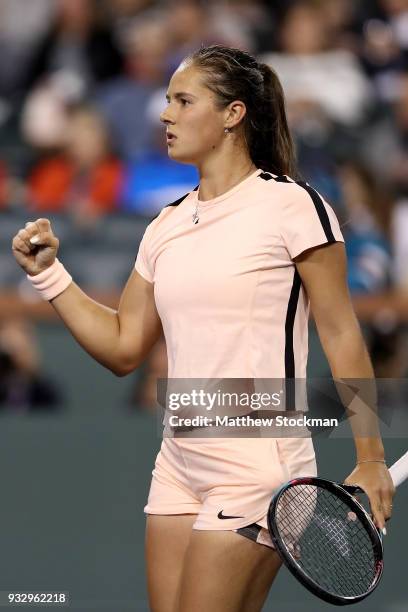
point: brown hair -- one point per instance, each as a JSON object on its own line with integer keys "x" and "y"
{"x": 232, "y": 74}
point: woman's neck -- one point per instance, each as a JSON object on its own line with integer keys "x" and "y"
{"x": 218, "y": 179}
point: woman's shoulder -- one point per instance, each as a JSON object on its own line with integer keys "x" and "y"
{"x": 298, "y": 203}
{"x": 287, "y": 187}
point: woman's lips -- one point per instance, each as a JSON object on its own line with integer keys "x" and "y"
{"x": 170, "y": 137}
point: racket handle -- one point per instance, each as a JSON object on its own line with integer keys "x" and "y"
{"x": 352, "y": 489}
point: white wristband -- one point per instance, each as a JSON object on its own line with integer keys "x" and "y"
{"x": 51, "y": 282}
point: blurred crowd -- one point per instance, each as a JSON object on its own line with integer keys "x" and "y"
{"x": 23, "y": 387}
{"x": 82, "y": 84}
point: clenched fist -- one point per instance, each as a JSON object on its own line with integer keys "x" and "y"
{"x": 35, "y": 247}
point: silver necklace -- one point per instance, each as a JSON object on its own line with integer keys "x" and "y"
{"x": 196, "y": 213}
{"x": 196, "y": 216}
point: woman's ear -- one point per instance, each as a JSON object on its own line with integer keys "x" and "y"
{"x": 235, "y": 114}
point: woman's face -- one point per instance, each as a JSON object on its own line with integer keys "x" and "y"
{"x": 195, "y": 128}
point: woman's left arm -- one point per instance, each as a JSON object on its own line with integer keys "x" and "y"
{"x": 323, "y": 271}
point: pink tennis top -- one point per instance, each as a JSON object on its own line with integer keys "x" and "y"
{"x": 227, "y": 291}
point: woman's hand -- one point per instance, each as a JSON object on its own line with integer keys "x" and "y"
{"x": 376, "y": 482}
{"x": 35, "y": 247}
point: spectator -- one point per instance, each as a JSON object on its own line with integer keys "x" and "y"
{"x": 76, "y": 43}
{"x": 45, "y": 117}
{"x": 22, "y": 386}
{"x": 384, "y": 47}
{"x": 367, "y": 228}
{"x": 189, "y": 24}
{"x": 127, "y": 9}
{"x": 397, "y": 15}
{"x": 22, "y": 25}
{"x": 399, "y": 163}
{"x": 123, "y": 13}
{"x": 366, "y": 231}
{"x": 85, "y": 179}
{"x": 386, "y": 140}
{"x": 123, "y": 100}
{"x": 315, "y": 75}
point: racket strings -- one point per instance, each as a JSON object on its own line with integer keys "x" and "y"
{"x": 326, "y": 539}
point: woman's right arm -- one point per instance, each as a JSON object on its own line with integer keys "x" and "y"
{"x": 118, "y": 339}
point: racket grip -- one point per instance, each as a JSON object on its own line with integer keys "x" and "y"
{"x": 352, "y": 489}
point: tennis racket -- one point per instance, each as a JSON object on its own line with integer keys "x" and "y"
{"x": 327, "y": 539}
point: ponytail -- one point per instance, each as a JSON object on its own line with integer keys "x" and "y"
{"x": 271, "y": 145}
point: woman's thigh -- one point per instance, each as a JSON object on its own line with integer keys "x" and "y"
{"x": 167, "y": 539}
{"x": 226, "y": 572}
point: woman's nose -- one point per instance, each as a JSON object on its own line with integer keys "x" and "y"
{"x": 164, "y": 117}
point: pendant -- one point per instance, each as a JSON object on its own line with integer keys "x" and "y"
{"x": 196, "y": 218}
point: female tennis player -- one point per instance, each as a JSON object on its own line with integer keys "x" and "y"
{"x": 229, "y": 272}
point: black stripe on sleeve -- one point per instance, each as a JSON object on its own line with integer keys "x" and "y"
{"x": 320, "y": 209}
{"x": 267, "y": 176}
{"x": 283, "y": 179}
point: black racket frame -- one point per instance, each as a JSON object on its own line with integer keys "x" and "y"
{"x": 346, "y": 493}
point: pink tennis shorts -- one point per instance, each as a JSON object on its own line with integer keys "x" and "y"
{"x": 227, "y": 482}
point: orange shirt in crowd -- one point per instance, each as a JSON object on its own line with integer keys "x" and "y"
{"x": 56, "y": 185}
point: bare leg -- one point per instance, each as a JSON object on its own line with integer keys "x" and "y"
{"x": 225, "y": 572}
{"x": 167, "y": 539}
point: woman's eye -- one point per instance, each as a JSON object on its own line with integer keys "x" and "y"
{"x": 184, "y": 102}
